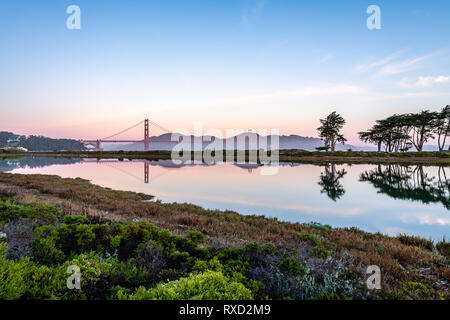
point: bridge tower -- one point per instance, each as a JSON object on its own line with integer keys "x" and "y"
{"x": 146, "y": 172}
{"x": 146, "y": 136}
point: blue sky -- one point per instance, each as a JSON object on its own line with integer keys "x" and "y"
{"x": 230, "y": 64}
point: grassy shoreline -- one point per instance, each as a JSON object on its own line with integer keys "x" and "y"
{"x": 412, "y": 268}
{"x": 442, "y": 158}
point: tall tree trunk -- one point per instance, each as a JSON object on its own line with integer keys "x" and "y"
{"x": 445, "y": 138}
{"x": 420, "y": 145}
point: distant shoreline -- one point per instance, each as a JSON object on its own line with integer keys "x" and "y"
{"x": 284, "y": 156}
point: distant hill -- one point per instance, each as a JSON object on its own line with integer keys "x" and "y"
{"x": 39, "y": 143}
{"x": 285, "y": 142}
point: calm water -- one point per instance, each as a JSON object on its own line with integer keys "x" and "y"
{"x": 391, "y": 199}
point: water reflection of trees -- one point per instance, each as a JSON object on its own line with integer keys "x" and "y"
{"x": 329, "y": 181}
{"x": 411, "y": 183}
{"x": 9, "y": 163}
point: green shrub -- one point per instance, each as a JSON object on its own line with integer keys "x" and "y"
{"x": 234, "y": 260}
{"x": 44, "y": 251}
{"x": 24, "y": 279}
{"x": 84, "y": 234}
{"x": 394, "y": 295}
{"x": 3, "y": 249}
{"x": 94, "y": 271}
{"x": 415, "y": 289}
{"x": 308, "y": 237}
{"x": 209, "y": 285}
{"x": 151, "y": 256}
{"x": 331, "y": 296}
{"x": 318, "y": 248}
{"x": 196, "y": 237}
{"x": 292, "y": 267}
{"x": 171, "y": 274}
{"x": 200, "y": 265}
{"x": 44, "y": 246}
{"x": 75, "y": 237}
{"x": 115, "y": 240}
{"x": 15, "y": 278}
{"x": 211, "y": 265}
{"x": 320, "y": 252}
{"x": 10, "y": 211}
{"x": 75, "y": 219}
{"x": 125, "y": 274}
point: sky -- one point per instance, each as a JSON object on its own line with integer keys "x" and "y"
{"x": 231, "y": 64}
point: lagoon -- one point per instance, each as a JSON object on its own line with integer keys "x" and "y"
{"x": 386, "y": 198}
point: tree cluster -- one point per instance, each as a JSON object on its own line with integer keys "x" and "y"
{"x": 399, "y": 133}
{"x": 40, "y": 143}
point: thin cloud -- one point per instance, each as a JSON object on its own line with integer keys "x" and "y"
{"x": 253, "y": 10}
{"x": 301, "y": 92}
{"x": 380, "y": 96}
{"x": 405, "y": 65}
{"x": 424, "y": 82}
{"x": 392, "y": 65}
{"x": 324, "y": 90}
{"x": 326, "y": 58}
{"x": 379, "y": 63}
{"x": 425, "y": 219}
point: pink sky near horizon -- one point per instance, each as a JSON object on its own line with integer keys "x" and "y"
{"x": 93, "y": 132}
{"x": 95, "y": 115}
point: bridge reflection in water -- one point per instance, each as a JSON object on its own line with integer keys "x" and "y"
{"x": 110, "y": 162}
{"x": 387, "y": 198}
{"x": 417, "y": 183}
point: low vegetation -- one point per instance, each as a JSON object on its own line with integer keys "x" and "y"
{"x": 41, "y": 143}
{"x": 137, "y": 260}
{"x": 444, "y": 248}
{"x": 13, "y": 151}
{"x": 129, "y": 248}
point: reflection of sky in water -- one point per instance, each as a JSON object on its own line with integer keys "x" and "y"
{"x": 293, "y": 194}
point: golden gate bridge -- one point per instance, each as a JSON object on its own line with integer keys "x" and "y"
{"x": 97, "y": 144}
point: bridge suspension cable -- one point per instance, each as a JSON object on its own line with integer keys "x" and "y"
{"x": 123, "y": 131}
{"x": 159, "y": 126}
{"x": 134, "y": 126}
{"x": 123, "y": 171}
